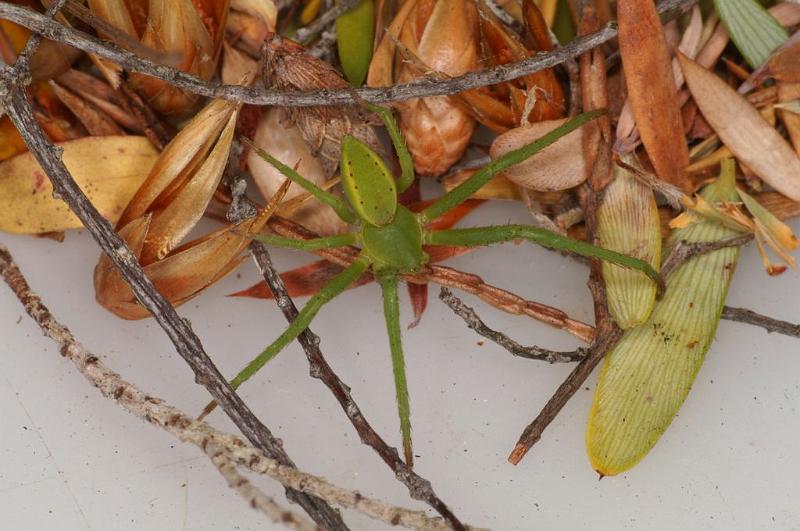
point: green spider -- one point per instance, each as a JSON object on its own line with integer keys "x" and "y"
{"x": 391, "y": 237}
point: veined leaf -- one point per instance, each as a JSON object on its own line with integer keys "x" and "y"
{"x": 108, "y": 169}
{"x": 752, "y": 29}
{"x": 648, "y": 374}
{"x": 743, "y": 130}
{"x": 355, "y": 33}
{"x": 628, "y": 223}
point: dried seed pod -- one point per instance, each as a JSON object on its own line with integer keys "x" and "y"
{"x": 288, "y": 66}
{"x": 442, "y": 37}
{"x": 628, "y": 222}
{"x": 166, "y": 208}
{"x": 189, "y": 34}
{"x": 648, "y": 374}
{"x": 556, "y": 167}
{"x": 277, "y": 136}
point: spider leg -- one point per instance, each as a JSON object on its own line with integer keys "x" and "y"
{"x": 462, "y": 192}
{"x": 323, "y": 196}
{"x": 391, "y": 311}
{"x": 330, "y": 290}
{"x": 478, "y": 236}
{"x": 314, "y": 244}
{"x": 406, "y": 164}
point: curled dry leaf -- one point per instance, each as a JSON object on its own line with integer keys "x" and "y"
{"x": 109, "y": 170}
{"x": 743, "y": 130}
{"x": 277, "y": 136}
{"x": 556, "y": 167}
{"x": 651, "y": 90}
{"x": 442, "y": 35}
{"x": 288, "y": 66}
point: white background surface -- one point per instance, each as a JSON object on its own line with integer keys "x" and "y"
{"x": 72, "y": 460}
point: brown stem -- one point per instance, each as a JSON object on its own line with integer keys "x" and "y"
{"x": 684, "y": 251}
{"x": 532, "y": 353}
{"x": 263, "y": 96}
{"x": 418, "y": 487}
{"x": 306, "y": 34}
{"x": 185, "y": 340}
{"x": 770, "y": 324}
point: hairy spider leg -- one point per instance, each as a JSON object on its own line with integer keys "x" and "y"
{"x": 479, "y": 236}
{"x": 391, "y": 312}
{"x": 334, "y": 287}
{"x": 463, "y": 191}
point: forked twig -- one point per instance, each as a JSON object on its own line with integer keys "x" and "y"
{"x": 418, "y": 487}
{"x": 180, "y": 333}
{"x": 263, "y": 96}
{"x": 225, "y": 448}
{"x": 532, "y": 353}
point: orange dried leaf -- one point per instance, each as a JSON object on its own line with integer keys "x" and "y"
{"x": 651, "y": 90}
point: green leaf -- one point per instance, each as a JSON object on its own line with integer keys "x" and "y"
{"x": 752, "y": 29}
{"x": 647, "y": 376}
{"x": 355, "y": 32}
{"x": 563, "y": 26}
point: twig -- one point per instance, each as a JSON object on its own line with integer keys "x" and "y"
{"x": 323, "y": 48}
{"x": 452, "y": 278}
{"x": 607, "y": 334}
{"x": 770, "y": 324}
{"x": 573, "y": 382}
{"x": 254, "y": 496}
{"x": 263, "y": 96}
{"x": 418, "y": 487}
{"x": 532, "y": 353}
{"x": 180, "y": 333}
{"x": 684, "y": 251}
{"x": 155, "y": 411}
{"x": 306, "y": 34}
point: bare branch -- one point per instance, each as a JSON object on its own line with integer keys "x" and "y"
{"x": 185, "y": 340}
{"x": 418, "y": 487}
{"x": 155, "y": 411}
{"x": 684, "y": 251}
{"x": 532, "y": 353}
{"x": 307, "y": 34}
{"x": 770, "y": 324}
{"x": 262, "y": 96}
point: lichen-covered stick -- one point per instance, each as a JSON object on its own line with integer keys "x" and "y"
{"x": 391, "y": 237}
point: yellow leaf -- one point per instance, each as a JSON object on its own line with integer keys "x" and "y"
{"x": 108, "y": 169}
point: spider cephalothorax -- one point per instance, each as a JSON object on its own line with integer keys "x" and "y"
{"x": 391, "y": 237}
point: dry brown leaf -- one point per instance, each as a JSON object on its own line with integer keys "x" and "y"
{"x": 108, "y": 169}
{"x": 651, "y": 90}
{"x": 743, "y": 130}
{"x": 790, "y": 92}
{"x": 95, "y": 120}
{"x": 556, "y": 167}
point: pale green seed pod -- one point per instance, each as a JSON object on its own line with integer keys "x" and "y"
{"x": 647, "y": 376}
{"x": 628, "y": 222}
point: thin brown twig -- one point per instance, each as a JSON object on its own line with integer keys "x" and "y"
{"x": 534, "y": 352}
{"x": 770, "y": 324}
{"x": 684, "y": 251}
{"x": 607, "y": 335}
{"x": 155, "y": 411}
{"x": 307, "y": 34}
{"x": 264, "y": 96}
{"x": 452, "y": 278}
{"x": 180, "y": 333}
{"x": 418, "y": 487}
